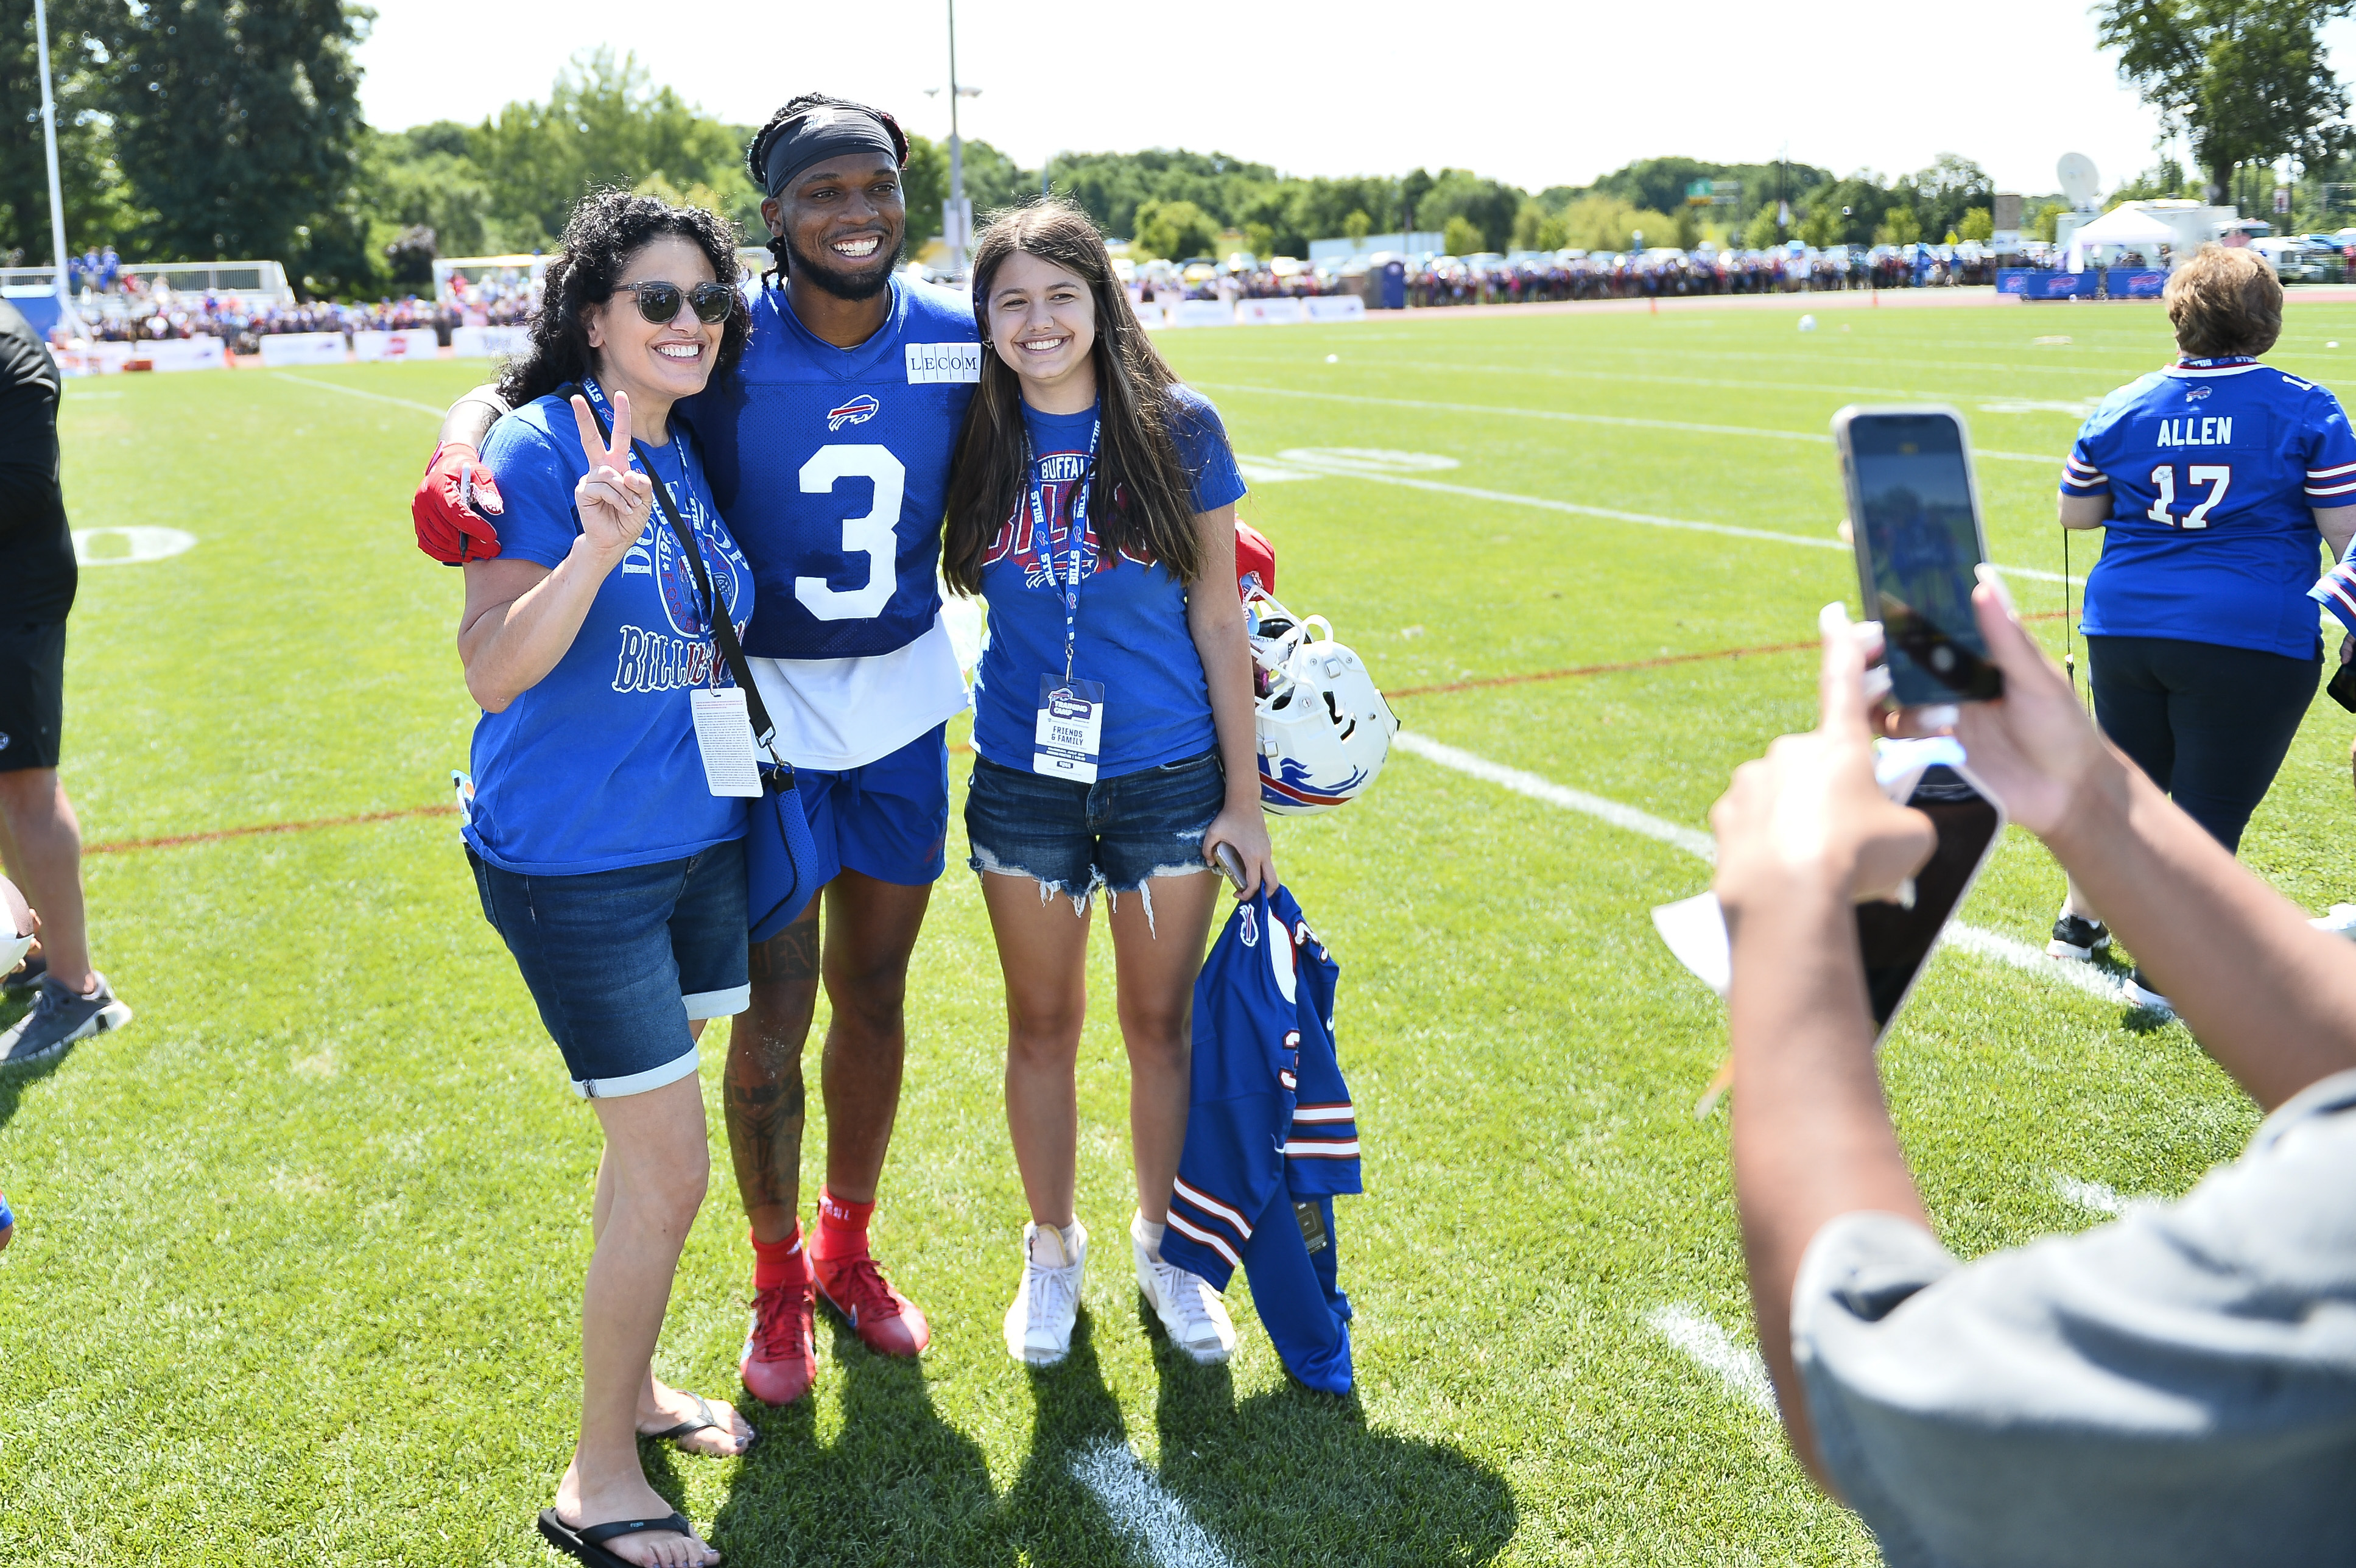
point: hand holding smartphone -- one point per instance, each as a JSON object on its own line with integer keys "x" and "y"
{"x": 1915, "y": 521}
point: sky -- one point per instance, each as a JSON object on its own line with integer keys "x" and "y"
{"x": 1552, "y": 93}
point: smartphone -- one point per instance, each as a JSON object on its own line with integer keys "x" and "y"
{"x": 1896, "y": 941}
{"x": 1914, "y": 516}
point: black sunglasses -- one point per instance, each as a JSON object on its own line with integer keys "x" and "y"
{"x": 659, "y": 302}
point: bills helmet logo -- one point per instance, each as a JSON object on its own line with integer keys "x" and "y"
{"x": 2195, "y": 394}
{"x": 858, "y": 411}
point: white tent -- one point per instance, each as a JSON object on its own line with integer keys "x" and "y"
{"x": 2128, "y": 226}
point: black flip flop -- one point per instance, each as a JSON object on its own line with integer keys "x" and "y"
{"x": 707, "y": 1419}
{"x": 588, "y": 1542}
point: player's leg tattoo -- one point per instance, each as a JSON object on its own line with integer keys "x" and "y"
{"x": 763, "y": 1094}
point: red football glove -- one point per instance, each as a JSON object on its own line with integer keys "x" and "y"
{"x": 450, "y": 505}
{"x": 1255, "y": 561}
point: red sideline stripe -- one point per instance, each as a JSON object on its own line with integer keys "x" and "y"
{"x": 1662, "y": 661}
{"x": 124, "y": 846}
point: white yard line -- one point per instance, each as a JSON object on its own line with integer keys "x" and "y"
{"x": 1984, "y": 943}
{"x": 1738, "y": 1367}
{"x": 2095, "y": 1196}
{"x": 1155, "y": 1524}
{"x": 1296, "y": 467}
{"x": 1561, "y": 417}
{"x": 355, "y": 392}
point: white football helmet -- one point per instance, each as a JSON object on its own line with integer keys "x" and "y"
{"x": 1322, "y": 728}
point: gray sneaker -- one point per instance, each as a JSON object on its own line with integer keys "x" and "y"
{"x": 58, "y": 1018}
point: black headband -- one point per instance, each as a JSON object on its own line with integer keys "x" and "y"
{"x": 827, "y": 133}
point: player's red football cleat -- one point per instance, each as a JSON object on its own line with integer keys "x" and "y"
{"x": 780, "y": 1349}
{"x": 886, "y": 1321}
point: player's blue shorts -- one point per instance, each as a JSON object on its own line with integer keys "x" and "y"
{"x": 888, "y": 818}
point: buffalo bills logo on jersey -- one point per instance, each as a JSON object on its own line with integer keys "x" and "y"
{"x": 2194, "y": 394}
{"x": 858, "y": 411}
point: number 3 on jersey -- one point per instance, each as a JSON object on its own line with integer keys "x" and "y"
{"x": 873, "y": 534}
{"x": 2216, "y": 476}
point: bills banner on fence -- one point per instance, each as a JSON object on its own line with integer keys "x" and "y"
{"x": 1336, "y": 308}
{"x": 409, "y": 343}
{"x": 186, "y": 354}
{"x": 303, "y": 349}
{"x": 1270, "y": 312}
{"x": 488, "y": 342}
{"x": 1202, "y": 313}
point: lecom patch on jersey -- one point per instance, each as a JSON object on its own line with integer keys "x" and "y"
{"x": 944, "y": 362}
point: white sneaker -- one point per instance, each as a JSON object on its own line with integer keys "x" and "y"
{"x": 1189, "y": 1308}
{"x": 1046, "y": 1304}
{"x": 2339, "y": 922}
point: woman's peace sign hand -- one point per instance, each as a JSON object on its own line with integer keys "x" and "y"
{"x": 613, "y": 499}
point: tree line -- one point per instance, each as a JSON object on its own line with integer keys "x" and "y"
{"x": 207, "y": 129}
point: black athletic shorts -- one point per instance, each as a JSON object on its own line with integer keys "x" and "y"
{"x": 32, "y": 692}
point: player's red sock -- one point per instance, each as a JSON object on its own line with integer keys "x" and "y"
{"x": 841, "y": 1227}
{"x": 779, "y": 1262}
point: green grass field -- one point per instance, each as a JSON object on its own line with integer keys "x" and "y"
{"x": 298, "y": 1254}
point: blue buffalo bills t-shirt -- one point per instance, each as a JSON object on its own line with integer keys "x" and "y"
{"x": 1131, "y": 635}
{"x": 2213, "y": 467}
{"x": 596, "y": 767}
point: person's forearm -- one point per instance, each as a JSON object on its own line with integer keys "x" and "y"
{"x": 1812, "y": 1135}
{"x": 510, "y": 648}
{"x": 1216, "y": 619}
{"x": 2273, "y": 1000}
{"x": 471, "y": 417}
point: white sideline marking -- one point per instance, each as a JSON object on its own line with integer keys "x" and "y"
{"x": 1568, "y": 418}
{"x": 1988, "y": 944}
{"x": 2095, "y": 1196}
{"x": 140, "y": 542}
{"x": 1155, "y": 1523}
{"x": 355, "y": 392}
{"x": 1302, "y": 468}
{"x": 1738, "y": 1367}
{"x": 1553, "y": 794}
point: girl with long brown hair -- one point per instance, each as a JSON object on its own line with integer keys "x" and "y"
{"x": 1092, "y": 507}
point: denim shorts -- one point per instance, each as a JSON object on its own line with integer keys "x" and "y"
{"x": 620, "y": 961}
{"x": 1074, "y": 838}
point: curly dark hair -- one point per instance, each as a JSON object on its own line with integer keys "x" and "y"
{"x": 606, "y": 230}
{"x": 756, "y": 151}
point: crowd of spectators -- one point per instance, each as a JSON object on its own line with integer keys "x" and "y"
{"x": 123, "y": 310}
{"x": 1514, "y": 280}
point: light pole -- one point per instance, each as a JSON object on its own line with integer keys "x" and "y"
{"x": 49, "y": 137}
{"x": 957, "y": 214}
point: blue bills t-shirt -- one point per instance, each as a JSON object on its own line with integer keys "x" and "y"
{"x": 2213, "y": 467}
{"x": 1132, "y": 635}
{"x": 596, "y": 767}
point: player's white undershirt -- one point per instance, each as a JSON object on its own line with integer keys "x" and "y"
{"x": 839, "y": 713}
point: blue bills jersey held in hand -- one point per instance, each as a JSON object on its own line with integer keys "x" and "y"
{"x": 1272, "y": 1136}
{"x": 2213, "y": 467}
{"x": 832, "y": 464}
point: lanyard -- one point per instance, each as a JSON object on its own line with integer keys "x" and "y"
{"x": 707, "y": 595}
{"x": 1077, "y": 530}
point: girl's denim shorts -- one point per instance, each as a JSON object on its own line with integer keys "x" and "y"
{"x": 1074, "y": 838}
{"x": 620, "y": 961}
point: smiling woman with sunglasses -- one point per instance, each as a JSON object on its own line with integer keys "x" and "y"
{"x": 614, "y": 874}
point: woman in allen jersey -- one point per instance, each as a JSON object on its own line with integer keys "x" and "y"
{"x": 1092, "y": 505}
{"x": 2215, "y": 480}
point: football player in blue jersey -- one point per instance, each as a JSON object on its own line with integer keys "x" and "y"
{"x": 829, "y": 452}
{"x": 2215, "y": 480}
